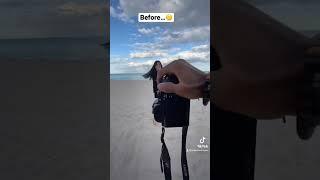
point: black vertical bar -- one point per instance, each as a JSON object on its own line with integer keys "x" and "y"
{"x": 233, "y": 136}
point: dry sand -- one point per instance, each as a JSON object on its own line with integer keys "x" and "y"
{"x": 135, "y": 140}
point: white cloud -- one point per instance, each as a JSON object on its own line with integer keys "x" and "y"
{"x": 201, "y": 48}
{"x": 192, "y": 56}
{"x": 120, "y": 15}
{"x": 148, "y": 31}
{"x": 141, "y": 64}
{"x": 135, "y": 36}
{"x": 190, "y": 35}
{"x": 170, "y": 41}
{"x": 146, "y": 46}
{"x": 197, "y": 54}
{"x": 188, "y": 13}
{"x": 133, "y": 7}
{"x": 148, "y": 54}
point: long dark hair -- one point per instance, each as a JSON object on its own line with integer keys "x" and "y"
{"x": 152, "y": 74}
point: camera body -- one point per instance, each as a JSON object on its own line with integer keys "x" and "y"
{"x": 170, "y": 109}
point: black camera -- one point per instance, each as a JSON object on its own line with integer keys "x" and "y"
{"x": 170, "y": 109}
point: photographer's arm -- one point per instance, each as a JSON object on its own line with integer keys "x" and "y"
{"x": 191, "y": 79}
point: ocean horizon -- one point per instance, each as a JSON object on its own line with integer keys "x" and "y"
{"x": 127, "y": 76}
{"x": 130, "y": 76}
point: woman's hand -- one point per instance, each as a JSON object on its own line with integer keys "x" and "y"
{"x": 191, "y": 79}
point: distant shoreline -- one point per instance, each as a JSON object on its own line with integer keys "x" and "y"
{"x": 127, "y": 76}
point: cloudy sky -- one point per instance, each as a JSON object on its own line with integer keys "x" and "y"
{"x": 52, "y": 18}
{"x": 135, "y": 46}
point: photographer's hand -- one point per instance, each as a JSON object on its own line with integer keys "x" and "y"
{"x": 191, "y": 79}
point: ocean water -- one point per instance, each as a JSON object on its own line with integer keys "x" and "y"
{"x": 128, "y": 76}
{"x": 53, "y": 49}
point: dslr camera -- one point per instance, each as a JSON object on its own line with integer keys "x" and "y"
{"x": 170, "y": 109}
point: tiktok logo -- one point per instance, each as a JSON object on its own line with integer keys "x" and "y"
{"x": 202, "y": 140}
{"x": 201, "y": 147}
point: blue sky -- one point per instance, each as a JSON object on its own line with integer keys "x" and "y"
{"x": 135, "y": 46}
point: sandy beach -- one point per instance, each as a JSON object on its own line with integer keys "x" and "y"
{"x": 135, "y": 141}
{"x": 54, "y": 126}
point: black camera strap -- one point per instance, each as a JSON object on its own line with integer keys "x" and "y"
{"x": 184, "y": 162}
{"x": 165, "y": 157}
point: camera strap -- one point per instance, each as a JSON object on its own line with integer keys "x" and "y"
{"x": 165, "y": 157}
{"x": 184, "y": 162}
